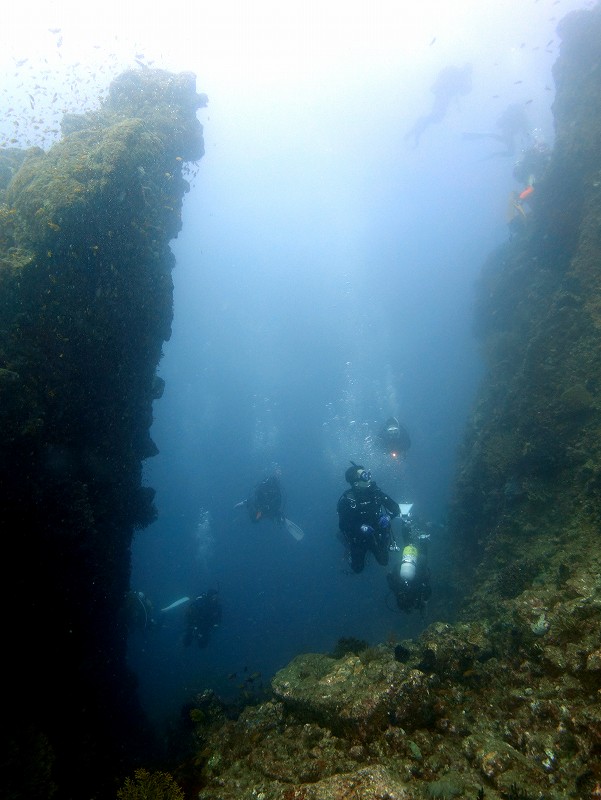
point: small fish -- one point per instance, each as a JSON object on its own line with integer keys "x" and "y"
{"x": 21, "y": 61}
{"x": 432, "y": 42}
{"x": 528, "y": 102}
{"x": 516, "y": 82}
{"x": 54, "y": 30}
{"x": 549, "y": 43}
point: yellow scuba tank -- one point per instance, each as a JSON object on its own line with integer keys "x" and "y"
{"x": 408, "y": 562}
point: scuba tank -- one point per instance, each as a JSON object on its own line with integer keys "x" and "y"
{"x": 408, "y": 563}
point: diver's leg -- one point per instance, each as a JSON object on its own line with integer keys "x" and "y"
{"x": 357, "y": 557}
{"x": 380, "y": 549}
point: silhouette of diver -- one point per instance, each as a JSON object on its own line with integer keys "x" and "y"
{"x": 266, "y": 502}
{"x": 513, "y": 128}
{"x": 451, "y": 83}
{"x": 394, "y": 438}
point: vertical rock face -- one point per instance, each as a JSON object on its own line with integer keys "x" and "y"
{"x": 527, "y": 506}
{"x": 85, "y": 306}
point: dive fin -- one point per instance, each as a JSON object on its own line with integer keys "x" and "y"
{"x": 294, "y": 530}
{"x": 405, "y": 509}
{"x": 177, "y": 603}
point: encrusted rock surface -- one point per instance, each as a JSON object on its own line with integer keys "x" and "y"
{"x": 469, "y": 709}
{"x": 85, "y": 307}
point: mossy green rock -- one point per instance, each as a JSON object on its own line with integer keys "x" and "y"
{"x": 352, "y": 694}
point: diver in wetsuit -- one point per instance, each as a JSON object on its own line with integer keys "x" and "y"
{"x": 394, "y": 438}
{"x": 266, "y": 502}
{"x": 450, "y": 84}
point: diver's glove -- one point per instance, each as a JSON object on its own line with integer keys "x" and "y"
{"x": 366, "y": 530}
{"x": 384, "y": 521}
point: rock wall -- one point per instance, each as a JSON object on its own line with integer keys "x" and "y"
{"x": 527, "y": 505}
{"x": 85, "y": 306}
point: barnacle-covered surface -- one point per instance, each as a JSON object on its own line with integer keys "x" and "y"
{"x": 503, "y": 703}
{"x": 85, "y": 306}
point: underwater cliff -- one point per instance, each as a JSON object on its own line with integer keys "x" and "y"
{"x": 527, "y": 505}
{"x": 85, "y": 306}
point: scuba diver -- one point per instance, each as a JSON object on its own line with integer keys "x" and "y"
{"x": 202, "y": 615}
{"x": 528, "y": 170}
{"x": 394, "y": 438}
{"x": 409, "y": 580}
{"x": 531, "y": 167}
{"x": 265, "y": 502}
{"x": 138, "y": 612}
{"x": 513, "y": 130}
{"x": 450, "y": 83}
{"x": 364, "y": 518}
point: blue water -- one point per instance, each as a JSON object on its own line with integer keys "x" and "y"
{"x": 324, "y": 281}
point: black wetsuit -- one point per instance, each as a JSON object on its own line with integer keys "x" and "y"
{"x": 365, "y": 507}
{"x": 266, "y": 501}
{"x": 202, "y": 615}
{"x": 394, "y": 437}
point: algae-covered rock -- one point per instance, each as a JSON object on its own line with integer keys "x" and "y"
{"x": 86, "y": 304}
{"x": 370, "y": 783}
{"x": 529, "y": 475}
{"x": 122, "y": 161}
{"x": 352, "y": 694}
{"x": 502, "y": 710}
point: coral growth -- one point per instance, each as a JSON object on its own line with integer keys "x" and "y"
{"x": 150, "y": 786}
